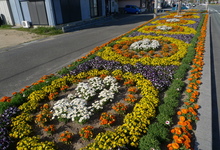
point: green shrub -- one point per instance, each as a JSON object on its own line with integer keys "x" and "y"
{"x": 149, "y": 142}
{"x": 166, "y": 109}
{"x": 159, "y": 131}
{"x": 163, "y": 118}
{"x": 182, "y": 71}
{"x": 3, "y": 106}
{"x": 18, "y": 99}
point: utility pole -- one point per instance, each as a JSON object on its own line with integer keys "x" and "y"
{"x": 207, "y": 3}
{"x": 179, "y": 7}
{"x": 155, "y": 8}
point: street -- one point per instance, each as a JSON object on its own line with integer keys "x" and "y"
{"x": 25, "y": 64}
{"x": 215, "y": 71}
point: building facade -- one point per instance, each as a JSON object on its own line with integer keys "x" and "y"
{"x": 53, "y": 12}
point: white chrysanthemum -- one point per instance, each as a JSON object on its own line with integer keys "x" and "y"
{"x": 145, "y": 44}
{"x": 85, "y": 91}
{"x": 96, "y": 83}
{"x": 108, "y": 80}
{"x": 164, "y": 27}
{"x": 173, "y": 20}
{"x": 71, "y": 96}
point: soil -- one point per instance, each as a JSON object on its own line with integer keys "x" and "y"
{"x": 11, "y": 37}
{"x": 75, "y": 127}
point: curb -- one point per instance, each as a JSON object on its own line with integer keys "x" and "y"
{"x": 84, "y": 24}
{"x": 203, "y": 131}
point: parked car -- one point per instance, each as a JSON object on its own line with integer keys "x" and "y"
{"x": 132, "y": 9}
{"x": 176, "y": 7}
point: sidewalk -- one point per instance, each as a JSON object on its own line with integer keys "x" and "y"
{"x": 203, "y": 131}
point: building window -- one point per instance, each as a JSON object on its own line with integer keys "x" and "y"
{"x": 93, "y": 8}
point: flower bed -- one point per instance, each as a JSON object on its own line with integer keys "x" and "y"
{"x": 125, "y": 93}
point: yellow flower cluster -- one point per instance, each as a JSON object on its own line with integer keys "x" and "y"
{"x": 37, "y": 95}
{"x": 135, "y": 123}
{"x": 34, "y": 98}
{"x": 186, "y": 30}
{"x": 58, "y": 83}
{"x": 109, "y": 54}
{"x": 92, "y": 73}
{"x": 49, "y": 89}
{"x": 20, "y": 126}
{"x": 117, "y": 73}
{"x": 173, "y": 23}
{"x": 96, "y": 72}
{"x": 185, "y": 15}
{"x": 29, "y": 106}
{"x": 32, "y": 143}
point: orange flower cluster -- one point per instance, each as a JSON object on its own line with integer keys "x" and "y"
{"x": 86, "y": 133}
{"x": 52, "y": 96}
{"x": 164, "y": 21}
{"x": 66, "y": 137}
{"x": 5, "y": 99}
{"x": 64, "y": 88}
{"x": 185, "y": 15}
{"x": 132, "y": 90}
{"x": 120, "y": 108}
{"x": 182, "y": 134}
{"x": 42, "y": 79}
{"x": 174, "y": 29}
{"x": 49, "y": 129}
{"x": 129, "y": 82}
{"x": 130, "y": 98}
{"x": 167, "y": 49}
{"x": 107, "y": 119}
{"x": 44, "y": 116}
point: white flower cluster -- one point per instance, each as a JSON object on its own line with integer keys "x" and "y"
{"x": 145, "y": 44}
{"x": 96, "y": 83}
{"x": 77, "y": 109}
{"x": 164, "y": 28}
{"x": 109, "y": 80}
{"x": 85, "y": 90}
{"x": 72, "y": 109}
{"x": 178, "y": 16}
{"x": 173, "y": 20}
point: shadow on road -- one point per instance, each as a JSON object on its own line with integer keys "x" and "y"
{"x": 114, "y": 20}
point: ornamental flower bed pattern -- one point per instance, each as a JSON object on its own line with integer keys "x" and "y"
{"x": 129, "y": 93}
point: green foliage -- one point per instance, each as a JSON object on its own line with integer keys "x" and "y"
{"x": 173, "y": 93}
{"x": 42, "y": 30}
{"x": 162, "y": 118}
{"x": 47, "y": 31}
{"x": 159, "y": 131}
{"x": 5, "y": 26}
{"x": 166, "y": 109}
{"x": 18, "y": 99}
{"x": 177, "y": 85}
{"x": 63, "y": 71}
{"x": 149, "y": 142}
{"x": 112, "y": 44}
{"x": 3, "y": 106}
{"x": 181, "y": 72}
{"x": 172, "y": 102}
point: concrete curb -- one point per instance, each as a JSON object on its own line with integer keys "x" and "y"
{"x": 84, "y": 24}
{"x": 203, "y": 131}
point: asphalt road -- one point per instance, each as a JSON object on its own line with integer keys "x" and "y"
{"x": 214, "y": 11}
{"x": 26, "y": 63}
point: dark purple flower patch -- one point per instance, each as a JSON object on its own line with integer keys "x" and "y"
{"x": 160, "y": 76}
{"x": 5, "y": 121}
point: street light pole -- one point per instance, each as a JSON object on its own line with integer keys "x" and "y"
{"x": 207, "y": 2}
{"x": 155, "y": 8}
